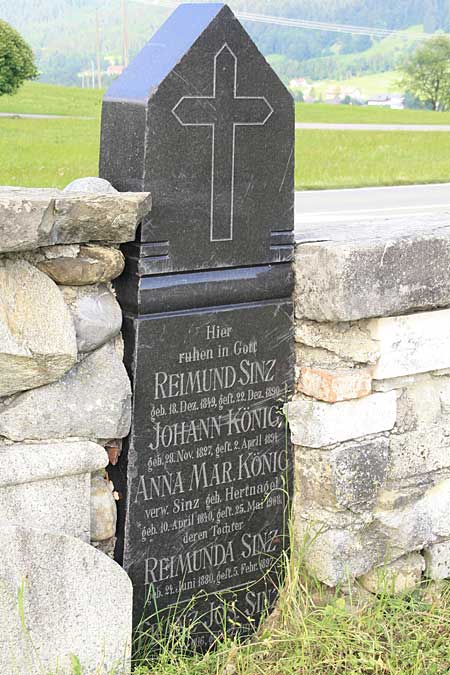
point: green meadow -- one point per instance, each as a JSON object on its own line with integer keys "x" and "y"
{"x": 52, "y": 152}
{"x": 50, "y": 99}
{"x": 346, "y": 159}
{"x": 349, "y": 114}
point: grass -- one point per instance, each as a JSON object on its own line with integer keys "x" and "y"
{"x": 369, "y": 85}
{"x": 47, "y": 153}
{"x": 340, "y": 159}
{"x": 50, "y": 99}
{"x": 323, "y": 112}
{"x": 318, "y": 632}
{"x": 51, "y": 153}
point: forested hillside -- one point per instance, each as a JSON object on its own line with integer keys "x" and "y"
{"x": 62, "y": 32}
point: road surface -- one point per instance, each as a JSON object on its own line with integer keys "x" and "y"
{"x": 325, "y": 126}
{"x": 340, "y": 206}
{"x": 30, "y": 116}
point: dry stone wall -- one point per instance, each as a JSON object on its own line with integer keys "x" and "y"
{"x": 65, "y": 405}
{"x": 370, "y": 418}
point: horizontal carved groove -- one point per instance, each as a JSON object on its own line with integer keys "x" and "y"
{"x": 149, "y": 250}
{"x": 282, "y": 238}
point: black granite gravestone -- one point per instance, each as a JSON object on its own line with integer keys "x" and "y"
{"x": 201, "y": 121}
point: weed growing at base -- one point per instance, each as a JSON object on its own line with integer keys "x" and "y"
{"x": 315, "y": 631}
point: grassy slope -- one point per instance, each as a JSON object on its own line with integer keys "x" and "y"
{"x": 338, "y": 159}
{"x": 47, "y": 153}
{"x": 50, "y": 99}
{"x": 322, "y": 112}
{"x": 369, "y": 85}
{"x": 393, "y": 48}
{"x": 53, "y": 152}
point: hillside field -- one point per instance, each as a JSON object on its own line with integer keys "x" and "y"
{"x": 45, "y": 152}
{"x": 369, "y": 85}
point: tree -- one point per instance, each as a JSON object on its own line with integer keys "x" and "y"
{"x": 426, "y": 74}
{"x": 16, "y": 60}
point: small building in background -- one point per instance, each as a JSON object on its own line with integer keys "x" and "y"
{"x": 115, "y": 70}
{"x": 393, "y": 101}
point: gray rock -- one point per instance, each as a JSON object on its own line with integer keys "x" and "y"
{"x": 350, "y": 342}
{"x": 316, "y": 424}
{"x": 37, "y": 335}
{"x": 47, "y": 485}
{"x": 90, "y": 184}
{"x": 96, "y": 315}
{"x": 417, "y": 525}
{"x": 420, "y": 445}
{"x": 348, "y": 476}
{"x": 94, "y": 264}
{"x": 103, "y": 509}
{"x": 338, "y": 556}
{"x": 400, "y": 576}
{"x": 373, "y": 268}
{"x": 437, "y": 558}
{"x": 31, "y": 218}
{"x": 67, "y": 611}
{"x": 92, "y": 401}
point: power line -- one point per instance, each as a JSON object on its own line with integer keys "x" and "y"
{"x": 125, "y": 33}
{"x": 306, "y": 24}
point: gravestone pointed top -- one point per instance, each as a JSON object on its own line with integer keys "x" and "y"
{"x": 202, "y": 121}
{"x": 161, "y": 54}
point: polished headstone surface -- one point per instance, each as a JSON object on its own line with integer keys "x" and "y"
{"x": 208, "y": 461}
{"x": 201, "y": 120}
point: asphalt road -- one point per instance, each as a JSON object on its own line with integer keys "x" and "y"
{"x": 35, "y": 116}
{"x": 325, "y": 126}
{"x": 340, "y": 206}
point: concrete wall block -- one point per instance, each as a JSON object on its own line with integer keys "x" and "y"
{"x": 316, "y": 424}
{"x": 419, "y": 453}
{"x": 48, "y": 485}
{"x": 67, "y": 610}
{"x": 414, "y": 343}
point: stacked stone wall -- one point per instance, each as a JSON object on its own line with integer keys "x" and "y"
{"x": 65, "y": 405}
{"x": 370, "y": 417}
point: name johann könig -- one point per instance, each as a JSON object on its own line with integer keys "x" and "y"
{"x": 233, "y": 423}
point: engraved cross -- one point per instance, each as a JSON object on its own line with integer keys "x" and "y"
{"x": 223, "y": 112}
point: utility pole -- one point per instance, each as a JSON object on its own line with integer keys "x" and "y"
{"x": 125, "y": 32}
{"x": 93, "y": 74}
{"x": 97, "y": 49}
